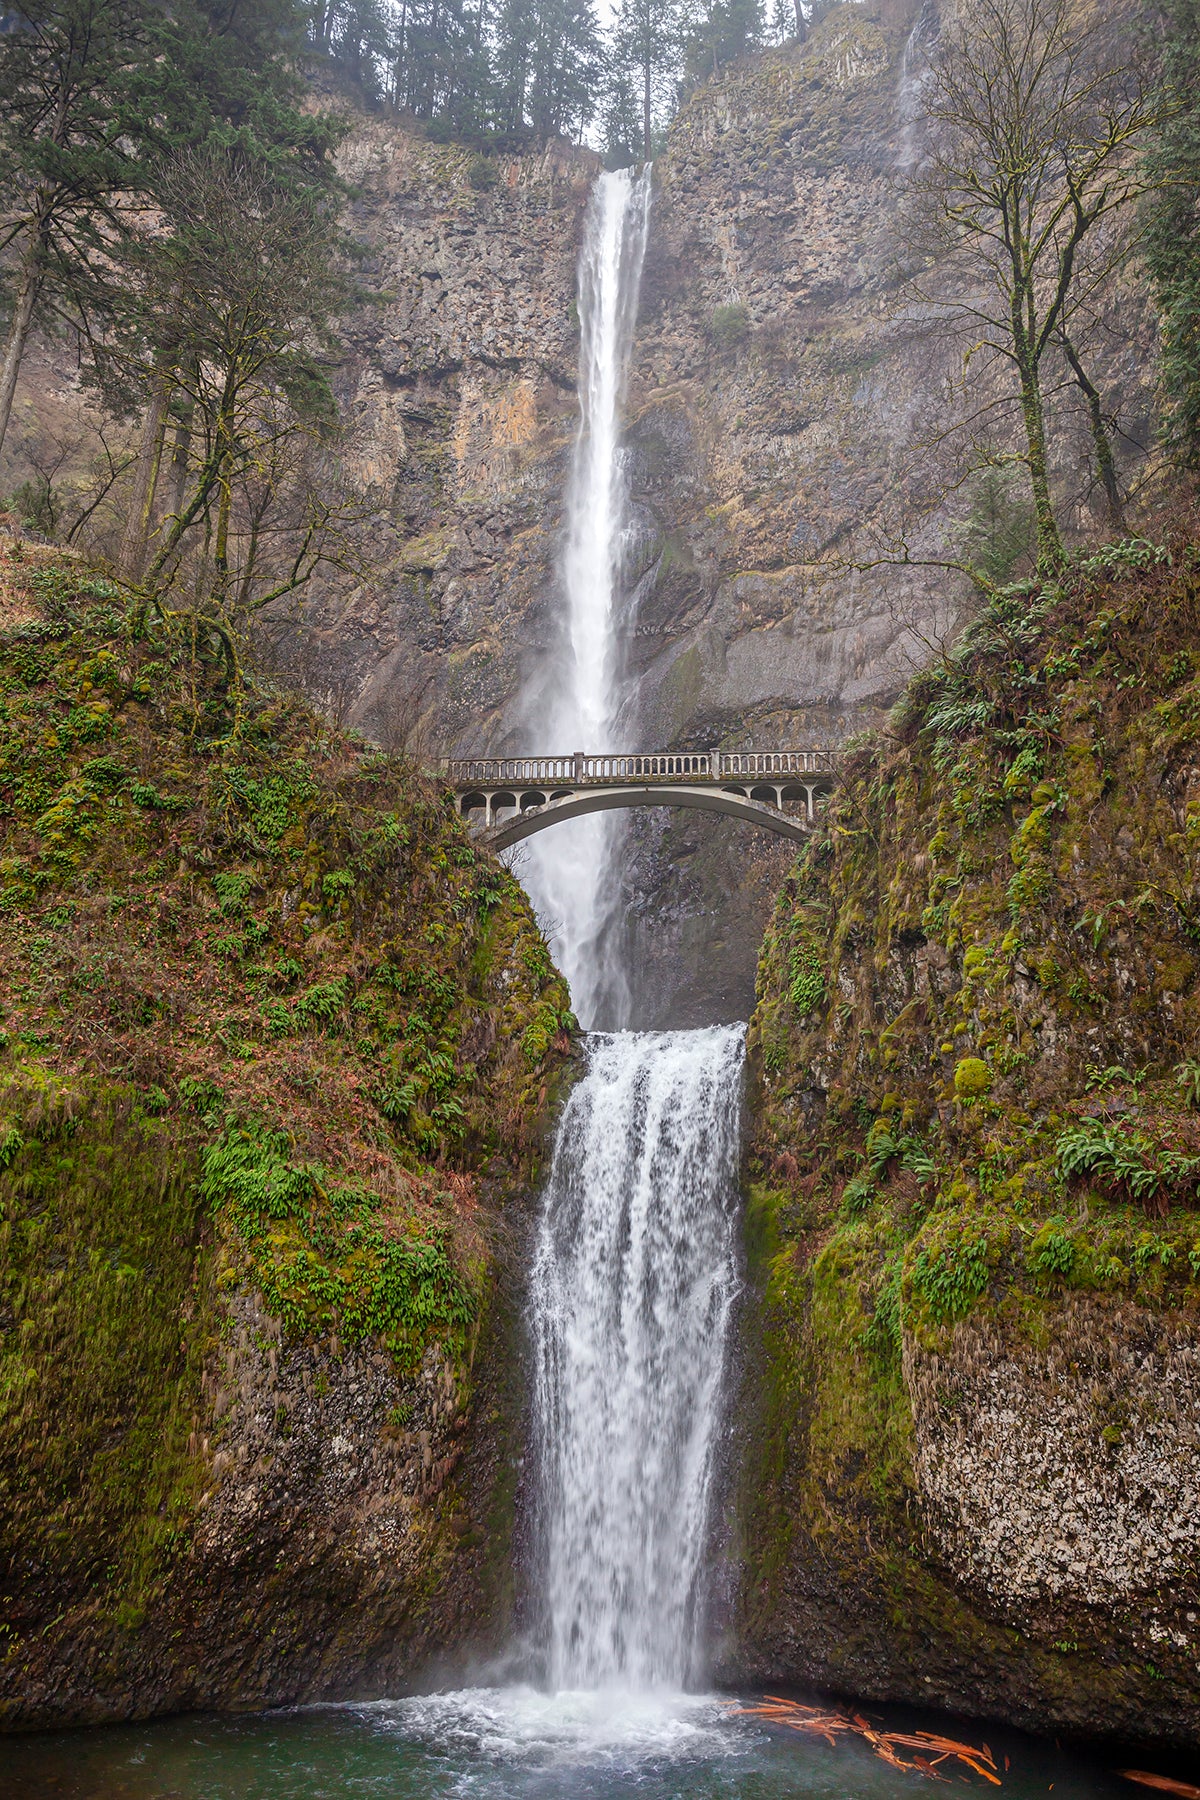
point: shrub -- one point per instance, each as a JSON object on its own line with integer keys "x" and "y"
{"x": 951, "y": 1277}
{"x": 1127, "y": 1160}
{"x": 729, "y": 325}
{"x": 318, "y": 1005}
{"x": 1187, "y": 1080}
{"x": 972, "y": 1078}
{"x": 482, "y": 173}
{"x": 806, "y": 979}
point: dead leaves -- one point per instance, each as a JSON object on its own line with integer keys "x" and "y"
{"x": 928, "y": 1750}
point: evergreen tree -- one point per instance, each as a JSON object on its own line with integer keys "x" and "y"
{"x": 441, "y": 64}
{"x": 358, "y": 36}
{"x": 788, "y": 22}
{"x": 647, "y": 37}
{"x": 95, "y": 94}
{"x": 1173, "y": 229}
{"x": 548, "y": 65}
{"x": 226, "y": 82}
{"x": 72, "y": 77}
{"x": 719, "y": 34}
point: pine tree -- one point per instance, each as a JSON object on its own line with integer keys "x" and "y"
{"x": 722, "y": 31}
{"x": 72, "y": 76}
{"x": 226, "y": 81}
{"x": 645, "y": 54}
{"x": 548, "y": 64}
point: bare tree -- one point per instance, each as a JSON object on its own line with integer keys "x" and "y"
{"x": 1037, "y": 112}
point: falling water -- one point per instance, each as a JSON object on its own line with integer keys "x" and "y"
{"x": 914, "y": 76}
{"x": 570, "y": 871}
{"x": 632, "y": 1287}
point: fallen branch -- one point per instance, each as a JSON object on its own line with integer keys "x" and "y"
{"x": 931, "y": 1750}
{"x": 1166, "y": 1783}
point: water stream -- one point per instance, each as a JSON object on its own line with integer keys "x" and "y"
{"x": 572, "y": 873}
{"x": 632, "y": 1287}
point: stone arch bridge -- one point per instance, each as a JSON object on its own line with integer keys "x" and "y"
{"x": 509, "y": 798}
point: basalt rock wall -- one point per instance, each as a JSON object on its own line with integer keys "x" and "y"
{"x": 972, "y": 1448}
{"x": 790, "y": 420}
{"x": 792, "y": 435}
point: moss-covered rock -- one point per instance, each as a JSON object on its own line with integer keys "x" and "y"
{"x": 976, "y": 1184}
{"x": 277, "y": 1048}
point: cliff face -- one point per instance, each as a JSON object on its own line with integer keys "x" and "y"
{"x": 974, "y": 1468}
{"x": 793, "y": 421}
{"x": 793, "y": 414}
{"x": 275, "y": 1060}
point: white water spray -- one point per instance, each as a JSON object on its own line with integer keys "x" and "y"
{"x": 633, "y": 1284}
{"x": 571, "y": 870}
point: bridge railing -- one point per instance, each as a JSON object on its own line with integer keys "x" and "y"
{"x": 666, "y": 765}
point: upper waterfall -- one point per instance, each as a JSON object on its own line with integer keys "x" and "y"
{"x": 631, "y": 1293}
{"x": 570, "y": 873}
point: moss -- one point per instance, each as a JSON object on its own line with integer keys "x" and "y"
{"x": 972, "y": 1078}
{"x": 267, "y": 1014}
{"x": 107, "y": 1310}
{"x": 988, "y": 1119}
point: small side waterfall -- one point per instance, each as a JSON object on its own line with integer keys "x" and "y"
{"x": 570, "y": 871}
{"x": 913, "y": 79}
{"x": 633, "y": 1284}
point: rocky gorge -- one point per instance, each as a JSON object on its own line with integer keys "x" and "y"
{"x": 267, "y": 1216}
{"x": 792, "y": 415}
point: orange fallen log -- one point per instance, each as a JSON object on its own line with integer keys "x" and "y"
{"x": 1165, "y": 1783}
{"x": 932, "y": 1750}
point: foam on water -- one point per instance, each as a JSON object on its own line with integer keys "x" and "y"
{"x": 525, "y": 1727}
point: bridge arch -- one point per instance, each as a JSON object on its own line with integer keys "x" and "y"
{"x": 525, "y": 820}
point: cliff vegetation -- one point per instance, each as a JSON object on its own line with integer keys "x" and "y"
{"x": 277, "y": 1044}
{"x": 975, "y": 1216}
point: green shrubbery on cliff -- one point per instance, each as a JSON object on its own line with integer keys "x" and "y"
{"x": 266, "y": 1018}
{"x": 974, "y": 1050}
{"x": 995, "y": 937}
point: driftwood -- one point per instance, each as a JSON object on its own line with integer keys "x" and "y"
{"x": 1165, "y": 1783}
{"x": 928, "y": 1750}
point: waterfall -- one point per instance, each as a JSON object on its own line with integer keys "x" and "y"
{"x": 570, "y": 871}
{"x": 914, "y": 76}
{"x": 633, "y": 1283}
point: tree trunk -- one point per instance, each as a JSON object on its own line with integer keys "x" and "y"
{"x": 181, "y": 450}
{"x": 1050, "y": 554}
{"x": 1023, "y": 324}
{"x": 145, "y": 481}
{"x": 1106, "y": 468}
{"x": 646, "y": 146}
{"x": 28, "y": 287}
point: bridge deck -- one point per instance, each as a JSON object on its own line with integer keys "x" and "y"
{"x": 579, "y": 769}
{"x": 511, "y": 797}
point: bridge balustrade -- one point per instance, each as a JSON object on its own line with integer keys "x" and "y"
{"x": 669, "y": 765}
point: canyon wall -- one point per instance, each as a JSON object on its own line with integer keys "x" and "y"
{"x": 792, "y": 439}
{"x": 972, "y": 1449}
{"x": 795, "y": 436}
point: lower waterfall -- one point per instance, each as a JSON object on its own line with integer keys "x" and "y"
{"x": 633, "y": 1283}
